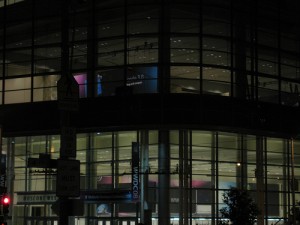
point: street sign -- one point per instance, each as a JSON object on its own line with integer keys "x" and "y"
{"x": 68, "y": 142}
{"x": 44, "y": 161}
{"x": 68, "y": 178}
{"x": 68, "y": 93}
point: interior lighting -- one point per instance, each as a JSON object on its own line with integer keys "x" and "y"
{"x": 238, "y": 164}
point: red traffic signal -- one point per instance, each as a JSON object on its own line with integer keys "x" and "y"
{"x": 5, "y": 200}
{"x": 3, "y": 223}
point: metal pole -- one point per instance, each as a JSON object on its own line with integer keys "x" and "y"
{"x": 293, "y": 183}
{"x": 64, "y": 115}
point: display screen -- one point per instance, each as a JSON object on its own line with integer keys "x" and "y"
{"x": 139, "y": 79}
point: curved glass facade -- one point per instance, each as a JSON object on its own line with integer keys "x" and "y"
{"x": 241, "y": 49}
{"x": 202, "y": 165}
{"x": 244, "y": 49}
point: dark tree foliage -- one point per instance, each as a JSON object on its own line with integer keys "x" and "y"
{"x": 295, "y": 211}
{"x": 240, "y": 209}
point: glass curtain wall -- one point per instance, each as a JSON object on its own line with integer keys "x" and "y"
{"x": 243, "y": 49}
{"x": 202, "y": 165}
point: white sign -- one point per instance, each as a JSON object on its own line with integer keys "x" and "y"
{"x": 68, "y": 178}
{"x": 35, "y": 198}
{"x": 68, "y": 93}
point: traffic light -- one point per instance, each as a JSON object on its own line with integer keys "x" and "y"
{"x": 3, "y": 223}
{"x": 5, "y": 204}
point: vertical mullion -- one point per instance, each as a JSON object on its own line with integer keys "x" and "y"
{"x": 32, "y": 50}
{"x": 126, "y": 40}
{"x": 201, "y": 45}
{"x": 4, "y": 51}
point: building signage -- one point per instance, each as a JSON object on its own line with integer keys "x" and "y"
{"x": 35, "y": 198}
{"x": 2, "y": 170}
{"x": 135, "y": 171}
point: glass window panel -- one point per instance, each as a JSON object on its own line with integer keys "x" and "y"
{"x": 111, "y": 52}
{"x": 216, "y": 28}
{"x": 227, "y": 175}
{"x": 47, "y": 59}
{"x": 126, "y": 138}
{"x": 36, "y": 145}
{"x": 185, "y": 19}
{"x": 78, "y": 57}
{"x": 289, "y": 43}
{"x": 273, "y": 196}
{"x": 217, "y": 2}
{"x": 123, "y": 147}
{"x": 107, "y": 25}
{"x": 81, "y": 80}
{"x": 1, "y": 92}
{"x": 216, "y": 44}
{"x": 54, "y": 146}
{"x": 142, "y": 50}
{"x": 153, "y": 153}
{"x": 45, "y": 88}
{"x": 17, "y": 90}
{"x": 228, "y": 150}
{"x": 185, "y": 49}
{"x": 18, "y": 62}
{"x": 185, "y": 79}
{"x": 290, "y": 72}
{"x": 2, "y": 63}
{"x": 101, "y": 169}
{"x": 174, "y": 144}
{"x": 242, "y": 86}
{"x": 251, "y": 168}
{"x": 103, "y": 140}
{"x": 202, "y": 148}
{"x": 297, "y": 153}
{"x": 78, "y": 25}
{"x": 216, "y": 58}
{"x": 289, "y": 66}
{"x": 17, "y": 84}
{"x": 250, "y": 145}
{"x": 267, "y": 67}
{"x": 17, "y": 96}
{"x": 18, "y": 34}
{"x": 107, "y": 81}
{"x": 275, "y": 145}
{"x": 142, "y": 79}
{"x": 267, "y": 38}
{"x": 267, "y": 89}
{"x": 185, "y": 25}
{"x": 46, "y": 33}
{"x": 216, "y": 81}
{"x": 216, "y": 51}
{"x": 143, "y": 19}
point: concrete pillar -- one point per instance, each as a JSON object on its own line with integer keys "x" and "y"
{"x": 163, "y": 178}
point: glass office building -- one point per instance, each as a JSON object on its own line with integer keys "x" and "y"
{"x": 207, "y": 88}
